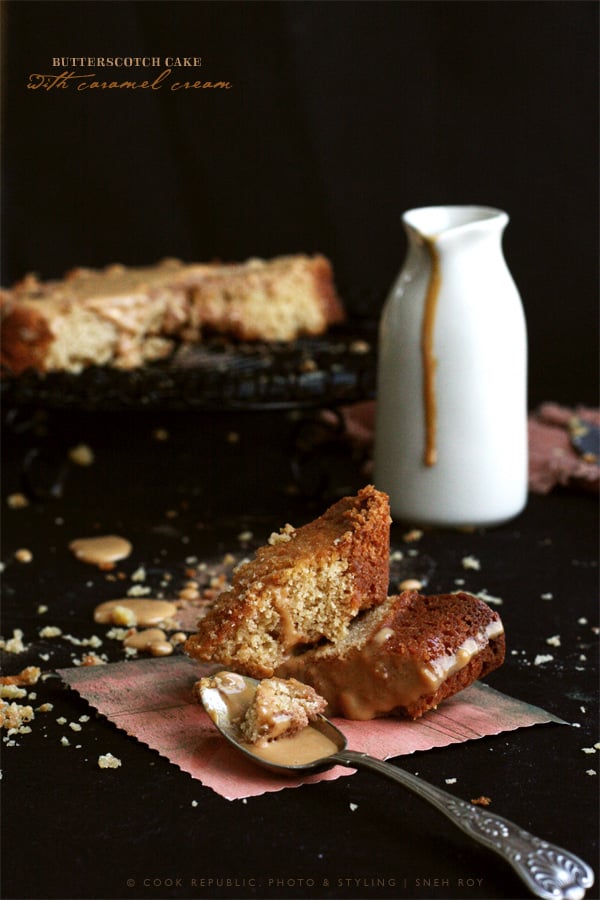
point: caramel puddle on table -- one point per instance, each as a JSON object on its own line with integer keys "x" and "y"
{"x": 429, "y": 360}
{"x": 140, "y": 640}
{"x": 143, "y": 612}
{"x": 102, "y": 550}
{"x": 152, "y": 640}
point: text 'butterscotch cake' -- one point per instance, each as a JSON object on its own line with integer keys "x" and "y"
{"x": 305, "y": 585}
{"x": 123, "y": 317}
{"x": 404, "y": 657}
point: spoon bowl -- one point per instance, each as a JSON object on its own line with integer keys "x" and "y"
{"x": 226, "y": 702}
{"x": 550, "y": 872}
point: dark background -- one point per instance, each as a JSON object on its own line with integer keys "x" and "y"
{"x": 341, "y": 116}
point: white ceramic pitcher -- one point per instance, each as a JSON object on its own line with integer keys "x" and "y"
{"x": 451, "y": 420}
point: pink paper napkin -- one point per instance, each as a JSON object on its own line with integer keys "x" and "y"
{"x": 152, "y": 700}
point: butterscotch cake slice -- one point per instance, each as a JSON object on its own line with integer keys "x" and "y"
{"x": 281, "y": 707}
{"x": 404, "y": 657}
{"x": 305, "y": 585}
{"x": 123, "y": 317}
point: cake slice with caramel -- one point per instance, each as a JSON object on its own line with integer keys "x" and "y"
{"x": 306, "y": 585}
{"x": 404, "y": 657}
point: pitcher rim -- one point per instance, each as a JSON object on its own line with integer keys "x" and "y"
{"x": 468, "y": 215}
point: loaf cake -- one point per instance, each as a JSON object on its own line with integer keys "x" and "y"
{"x": 281, "y": 707}
{"x": 304, "y": 586}
{"x": 404, "y": 657}
{"x": 124, "y": 317}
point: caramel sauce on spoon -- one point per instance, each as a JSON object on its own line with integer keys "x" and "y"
{"x": 227, "y": 700}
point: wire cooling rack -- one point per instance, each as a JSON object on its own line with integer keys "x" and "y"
{"x": 337, "y": 368}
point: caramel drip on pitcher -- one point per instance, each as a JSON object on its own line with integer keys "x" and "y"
{"x": 429, "y": 360}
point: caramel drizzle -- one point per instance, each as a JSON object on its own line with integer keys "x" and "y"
{"x": 429, "y": 360}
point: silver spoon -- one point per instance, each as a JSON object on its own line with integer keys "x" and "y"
{"x": 548, "y": 871}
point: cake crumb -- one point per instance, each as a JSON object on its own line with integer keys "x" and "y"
{"x": 308, "y": 365}
{"x": 14, "y": 715}
{"x": 50, "y": 631}
{"x": 353, "y": 807}
{"x": 108, "y": 761}
{"x": 451, "y": 780}
{"x": 139, "y": 590}
{"x": 489, "y": 598}
{"x": 415, "y": 534}
{"x": 92, "y": 659}
{"x": 121, "y": 615}
{"x": 481, "y": 801}
{"x": 117, "y": 634}
{"x": 139, "y": 574}
{"x": 17, "y": 501}
{"x": 23, "y": 555}
{"x": 283, "y": 535}
{"x": 554, "y": 641}
{"x": 81, "y": 455}
{"x": 12, "y": 692}
{"x": 28, "y": 675}
{"x": 471, "y": 562}
{"x": 15, "y": 643}
{"x": 542, "y": 658}
{"x": 410, "y": 584}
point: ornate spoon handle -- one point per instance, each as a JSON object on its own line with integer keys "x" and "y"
{"x": 548, "y": 871}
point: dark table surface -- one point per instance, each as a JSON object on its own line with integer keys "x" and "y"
{"x": 147, "y": 829}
